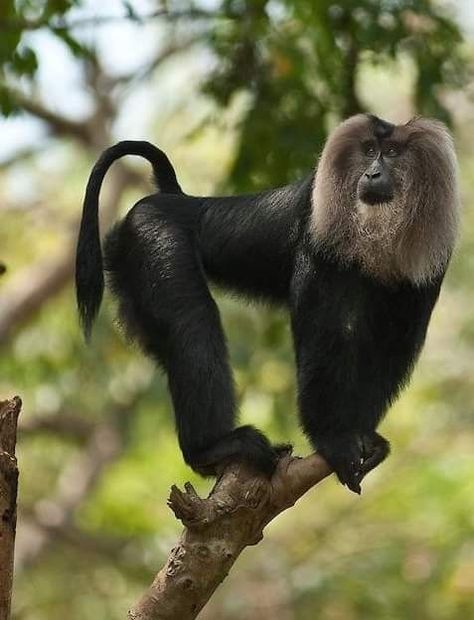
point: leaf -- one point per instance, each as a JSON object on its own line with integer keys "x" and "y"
{"x": 24, "y": 61}
{"x": 78, "y": 49}
{"x": 7, "y": 104}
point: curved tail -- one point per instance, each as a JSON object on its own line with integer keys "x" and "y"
{"x": 89, "y": 266}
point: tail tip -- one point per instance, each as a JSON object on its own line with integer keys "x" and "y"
{"x": 86, "y": 321}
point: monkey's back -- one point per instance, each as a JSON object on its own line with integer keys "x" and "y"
{"x": 247, "y": 243}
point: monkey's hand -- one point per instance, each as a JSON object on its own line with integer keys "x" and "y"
{"x": 353, "y": 456}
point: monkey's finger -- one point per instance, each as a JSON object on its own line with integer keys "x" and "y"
{"x": 283, "y": 449}
{"x": 354, "y": 486}
{"x": 379, "y": 453}
{"x": 348, "y": 475}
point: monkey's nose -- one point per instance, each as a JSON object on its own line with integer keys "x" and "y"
{"x": 373, "y": 174}
{"x": 375, "y": 185}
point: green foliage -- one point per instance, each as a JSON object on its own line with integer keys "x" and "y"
{"x": 299, "y": 62}
{"x": 17, "y": 58}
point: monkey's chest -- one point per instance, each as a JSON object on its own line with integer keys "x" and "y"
{"x": 371, "y": 330}
{"x": 349, "y": 323}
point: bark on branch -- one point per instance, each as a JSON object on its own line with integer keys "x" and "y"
{"x": 217, "y": 529}
{"x": 9, "y": 412}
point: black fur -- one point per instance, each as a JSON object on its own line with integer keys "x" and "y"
{"x": 89, "y": 276}
{"x": 356, "y": 339}
{"x": 382, "y": 129}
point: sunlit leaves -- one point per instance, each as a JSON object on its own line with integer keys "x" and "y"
{"x": 17, "y": 58}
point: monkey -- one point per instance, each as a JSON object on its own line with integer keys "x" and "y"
{"x": 356, "y": 253}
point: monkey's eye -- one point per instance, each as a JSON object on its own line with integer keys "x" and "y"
{"x": 369, "y": 150}
{"x": 392, "y": 151}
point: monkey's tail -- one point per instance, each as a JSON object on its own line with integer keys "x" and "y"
{"x": 89, "y": 265}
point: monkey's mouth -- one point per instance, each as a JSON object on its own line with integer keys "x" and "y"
{"x": 375, "y": 189}
{"x": 375, "y": 195}
{"x": 376, "y": 199}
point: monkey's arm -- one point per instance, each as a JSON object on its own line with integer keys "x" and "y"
{"x": 339, "y": 410}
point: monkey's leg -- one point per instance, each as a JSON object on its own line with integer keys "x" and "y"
{"x": 326, "y": 384}
{"x": 201, "y": 386}
{"x": 178, "y": 323}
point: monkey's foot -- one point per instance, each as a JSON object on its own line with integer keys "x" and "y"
{"x": 282, "y": 449}
{"x": 245, "y": 444}
{"x": 352, "y": 457}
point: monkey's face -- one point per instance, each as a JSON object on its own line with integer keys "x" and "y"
{"x": 376, "y": 158}
{"x": 378, "y": 181}
{"x": 388, "y": 194}
{"x": 368, "y": 161}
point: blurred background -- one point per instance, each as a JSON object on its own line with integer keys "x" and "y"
{"x": 241, "y": 94}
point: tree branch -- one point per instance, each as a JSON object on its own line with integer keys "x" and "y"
{"x": 63, "y": 423}
{"x": 9, "y": 412}
{"x": 23, "y": 295}
{"x": 173, "y": 48}
{"x": 99, "y": 20}
{"x": 20, "y": 155}
{"x": 217, "y": 529}
{"x": 58, "y": 124}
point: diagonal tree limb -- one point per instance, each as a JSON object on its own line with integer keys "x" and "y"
{"x": 217, "y": 529}
{"x": 170, "y": 50}
{"x": 9, "y": 412}
{"x": 23, "y": 295}
{"x": 57, "y": 123}
{"x": 20, "y": 155}
{"x": 63, "y": 423}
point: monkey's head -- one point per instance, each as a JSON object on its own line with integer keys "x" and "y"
{"x": 386, "y": 197}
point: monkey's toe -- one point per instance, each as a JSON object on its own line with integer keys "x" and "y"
{"x": 282, "y": 449}
{"x": 344, "y": 455}
{"x": 375, "y": 449}
{"x": 369, "y": 452}
{"x": 349, "y": 474}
